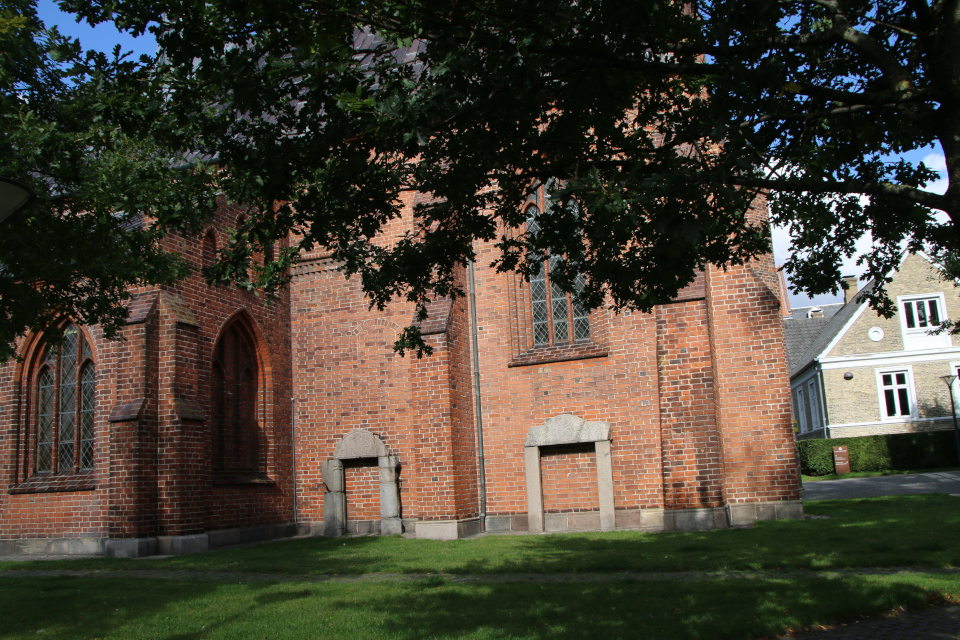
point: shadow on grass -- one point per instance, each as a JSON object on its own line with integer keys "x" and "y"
{"x": 892, "y": 531}
{"x": 433, "y": 608}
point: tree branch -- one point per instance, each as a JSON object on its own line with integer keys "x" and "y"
{"x": 925, "y": 198}
{"x": 817, "y": 115}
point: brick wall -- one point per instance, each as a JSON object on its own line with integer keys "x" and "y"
{"x": 152, "y": 467}
{"x": 347, "y": 376}
{"x": 752, "y": 389}
{"x": 569, "y": 478}
{"x": 751, "y": 381}
{"x": 692, "y": 459}
{"x": 362, "y": 482}
{"x": 695, "y": 392}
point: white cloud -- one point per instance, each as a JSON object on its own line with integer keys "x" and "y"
{"x": 936, "y": 162}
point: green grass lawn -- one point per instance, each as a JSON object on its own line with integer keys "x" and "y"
{"x": 876, "y": 532}
{"x": 432, "y": 608}
{"x": 921, "y": 531}
{"x": 875, "y": 474}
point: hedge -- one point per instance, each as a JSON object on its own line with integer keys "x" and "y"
{"x": 901, "y": 451}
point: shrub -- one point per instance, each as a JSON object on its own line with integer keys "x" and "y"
{"x": 900, "y": 451}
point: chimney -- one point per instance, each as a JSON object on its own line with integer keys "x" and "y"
{"x": 849, "y": 284}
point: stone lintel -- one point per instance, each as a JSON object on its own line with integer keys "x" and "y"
{"x": 567, "y": 429}
{"x": 360, "y": 443}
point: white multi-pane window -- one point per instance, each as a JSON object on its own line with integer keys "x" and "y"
{"x": 557, "y": 317}
{"x": 922, "y": 314}
{"x": 896, "y": 394}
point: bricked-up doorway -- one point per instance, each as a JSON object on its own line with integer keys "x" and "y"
{"x": 558, "y": 452}
{"x": 568, "y": 478}
{"x": 357, "y": 454}
{"x": 361, "y": 479}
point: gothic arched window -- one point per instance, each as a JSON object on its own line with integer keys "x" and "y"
{"x": 236, "y": 382}
{"x": 65, "y": 392}
{"x": 558, "y": 317}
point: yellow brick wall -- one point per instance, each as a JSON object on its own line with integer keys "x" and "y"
{"x": 916, "y": 275}
{"x": 858, "y": 399}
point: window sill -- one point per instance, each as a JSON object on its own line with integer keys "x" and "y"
{"x": 582, "y": 350}
{"x": 46, "y": 483}
{"x": 253, "y": 478}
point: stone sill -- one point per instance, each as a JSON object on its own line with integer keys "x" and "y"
{"x": 583, "y": 350}
{"x": 46, "y": 483}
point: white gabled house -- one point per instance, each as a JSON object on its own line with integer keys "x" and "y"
{"x": 854, "y": 373}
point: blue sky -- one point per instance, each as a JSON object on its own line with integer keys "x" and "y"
{"x": 101, "y": 38}
{"x": 105, "y": 36}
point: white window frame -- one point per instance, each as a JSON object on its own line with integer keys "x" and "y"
{"x": 813, "y": 398}
{"x": 801, "y": 408}
{"x": 923, "y": 333}
{"x": 911, "y": 393}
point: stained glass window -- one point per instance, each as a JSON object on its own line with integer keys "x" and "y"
{"x": 557, "y": 317}
{"x": 65, "y": 405}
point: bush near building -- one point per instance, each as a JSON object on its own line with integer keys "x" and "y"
{"x": 900, "y": 451}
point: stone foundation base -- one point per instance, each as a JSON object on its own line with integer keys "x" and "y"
{"x": 141, "y": 547}
{"x": 654, "y": 519}
{"x": 694, "y": 519}
{"x": 447, "y": 529}
{"x": 52, "y": 547}
{"x": 748, "y": 513}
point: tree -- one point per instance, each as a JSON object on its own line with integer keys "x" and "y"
{"x": 656, "y": 123}
{"x": 72, "y": 128}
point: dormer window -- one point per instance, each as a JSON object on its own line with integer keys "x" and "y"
{"x": 919, "y": 316}
{"x": 922, "y": 314}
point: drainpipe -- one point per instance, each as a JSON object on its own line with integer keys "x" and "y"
{"x": 477, "y": 401}
{"x": 293, "y": 457}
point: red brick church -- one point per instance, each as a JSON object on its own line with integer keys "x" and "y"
{"x": 226, "y": 417}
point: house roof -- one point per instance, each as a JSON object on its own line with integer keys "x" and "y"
{"x": 802, "y": 349}
{"x": 799, "y": 332}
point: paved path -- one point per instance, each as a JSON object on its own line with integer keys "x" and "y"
{"x": 941, "y": 482}
{"x": 942, "y": 623}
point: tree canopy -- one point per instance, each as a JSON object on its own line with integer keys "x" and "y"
{"x": 657, "y": 123}
{"x": 73, "y": 129}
